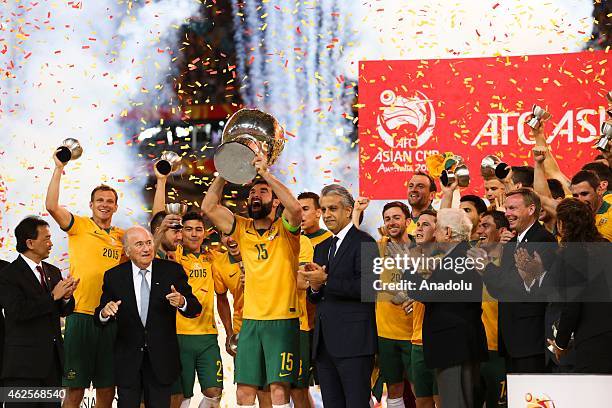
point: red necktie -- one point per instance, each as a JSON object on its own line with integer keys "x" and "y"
{"x": 43, "y": 277}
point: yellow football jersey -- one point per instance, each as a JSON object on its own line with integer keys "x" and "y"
{"x": 91, "y": 251}
{"x": 315, "y": 239}
{"x": 271, "y": 262}
{"x": 489, "y": 319}
{"x": 306, "y": 255}
{"x": 392, "y": 321}
{"x": 418, "y": 313}
{"x": 411, "y": 227}
{"x": 198, "y": 268}
{"x": 603, "y": 220}
{"x": 608, "y": 197}
{"x": 226, "y": 272}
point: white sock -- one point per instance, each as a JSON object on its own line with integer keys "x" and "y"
{"x": 209, "y": 402}
{"x": 395, "y": 403}
{"x": 281, "y": 406}
{"x": 185, "y": 403}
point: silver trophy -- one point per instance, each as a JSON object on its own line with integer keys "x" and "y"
{"x": 176, "y": 209}
{"x": 539, "y": 116}
{"x": 460, "y": 173}
{"x": 604, "y": 143}
{"x": 168, "y": 162}
{"x": 491, "y": 166}
{"x": 248, "y": 133}
{"x": 69, "y": 150}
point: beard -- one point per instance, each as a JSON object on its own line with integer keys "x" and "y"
{"x": 262, "y": 212}
{"x": 400, "y": 233}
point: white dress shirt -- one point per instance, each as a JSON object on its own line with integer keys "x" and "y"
{"x": 137, "y": 282}
{"x": 521, "y": 236}
{"x": 520, "y": 239}
{"x": 32, "y": 266}
{"x": 341, "y": 235}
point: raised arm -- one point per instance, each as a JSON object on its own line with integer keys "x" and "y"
{"x": 360, "y": 206}
{"x": 293, "y": 209}
{"x": 61, "y": 215}
{"x": 540, "y": 182}
{"x": 159, "y": 200}
{"x": 448, "y": 193}
{"x": 551, "y": 166}
{"x": 220, "y": 216}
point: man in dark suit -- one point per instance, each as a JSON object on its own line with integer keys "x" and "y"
{"x": 515, "y": 278}
{"x": 454, "y": 339}
{"x": 344, "y": 340}
{"x": 2, "y": 265}
{"x": 143, "y": 296}
{"x": 34, "y": 296}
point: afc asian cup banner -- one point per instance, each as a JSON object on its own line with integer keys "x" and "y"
{"x": 474, "y": 107}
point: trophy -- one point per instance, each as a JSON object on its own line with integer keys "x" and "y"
{"x": 492, "y": 166}
{"x": 248, "y": 133}
{"x": 604, "y": 143}
{"x": 459, "y": 173}
{"x": 168, "y": 162}
{"x": 176, "y": 209}
{"x": 539, "y": 116}
{"x": 69, "y": 150}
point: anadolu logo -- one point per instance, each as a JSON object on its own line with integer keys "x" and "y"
{"x": 398, "y": 112}
{"x": 543, "y": 401}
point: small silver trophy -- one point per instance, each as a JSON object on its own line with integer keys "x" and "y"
{"x": 459, "y": 173}
{"x": 176, "y": 209}
{"x": 539, "y": 116}
{"x": 168, "y": 162}
{"x": 492, "y": 166}
{"x": 69, "y": 150}
{"x": 604, "y": 143}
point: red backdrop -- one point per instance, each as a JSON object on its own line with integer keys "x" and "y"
{"x": 474, "y": 107}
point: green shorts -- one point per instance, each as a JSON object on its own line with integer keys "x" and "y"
{"x": 303, "y": 377}
{"x": 88, "y": 351}
{"x": 423, "y": 378}
{"x": 493, "y": 381}
{"x": 200, "y": 355}
{"x": 268, "y": 352}
{"x": 394, "y": 360}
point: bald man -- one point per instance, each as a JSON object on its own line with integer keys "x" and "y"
{"x": 143, "y": 296}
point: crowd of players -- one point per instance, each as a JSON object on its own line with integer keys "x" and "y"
{"x": 265, "y": 261}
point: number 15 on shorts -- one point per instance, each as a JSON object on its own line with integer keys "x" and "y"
{"x": 286, "y": 364}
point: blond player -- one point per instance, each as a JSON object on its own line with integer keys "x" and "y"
{"x": 94, "y": 246}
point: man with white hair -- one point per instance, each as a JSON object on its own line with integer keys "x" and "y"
{"x": 454, "y": 340}
{"x": 143, "y": 296}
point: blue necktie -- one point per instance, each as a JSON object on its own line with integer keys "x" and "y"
{"x": 144, "y": 297}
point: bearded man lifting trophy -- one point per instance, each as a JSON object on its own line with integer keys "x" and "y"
{"x": 248, "y": 133}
